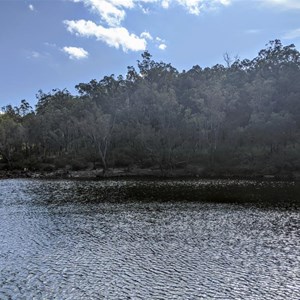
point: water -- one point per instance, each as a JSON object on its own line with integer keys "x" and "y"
{"x": 149, "y": 240}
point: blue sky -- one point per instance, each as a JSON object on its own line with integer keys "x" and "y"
{"x": 47, "y": 44}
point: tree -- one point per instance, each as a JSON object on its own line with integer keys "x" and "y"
{"x": 98, "y": 129}
{"x": 11, "y": 138}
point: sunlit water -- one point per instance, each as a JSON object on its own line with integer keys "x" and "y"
{"x": 149, "y": 240}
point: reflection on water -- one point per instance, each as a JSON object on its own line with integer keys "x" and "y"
{"x": 149, "y": 240}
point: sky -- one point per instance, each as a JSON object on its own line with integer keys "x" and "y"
{"x": 49, "y": 44}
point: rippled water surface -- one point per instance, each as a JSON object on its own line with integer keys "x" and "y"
{"x": 149, "y": 240}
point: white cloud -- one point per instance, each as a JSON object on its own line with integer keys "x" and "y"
{"x": 34, "y": 55}
{"x": 287, "y": 4}
{"x": 52, "y": 45}
{"x": 75, "y": 52}
{"x": 165, "y": 3}
{"x": 195, "y": 7}
{"x": 145, "y": 11}
{"x": 114, "y": 37}
{"x": 146, "y": 35}
{"x": 293, "y": 34}
{"x": 225, "y": 2}
{"x": 162, "y": 46}
{"x": 113, "y": 12}
{"x": 110, "y": 11}
{"x": 252, "y": 31}
{"x": 31, "y": 7}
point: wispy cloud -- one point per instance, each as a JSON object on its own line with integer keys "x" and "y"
{"x": 252, "y": 31}
{"x": 145, "y": 11}
{"x": 197, "y": 6}
{"x": 52, "y": 45}
{"x": 34, "y": 55}
{"x": 162, "y": 46}
{"x": 31, "y": 7}
{"x": 110, "y": 11}
{"x": 37, "y": 55}
{"x": 293, "y": 34}
{"x": 114, "y": 37}
{"x": 75, "y": 52}
{"x": 146, "y": 35}
{"x": 113, "y": 12}
{"x": 285, "y": 4}
{"x": 160, "y": 43}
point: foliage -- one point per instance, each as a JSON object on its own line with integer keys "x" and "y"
{"x": 242, "y": 116}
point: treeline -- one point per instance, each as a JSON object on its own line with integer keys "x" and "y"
{"x": 240, "y": 118}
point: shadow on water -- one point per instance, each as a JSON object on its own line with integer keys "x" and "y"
{"x": 260, "y": 194}
{"x": 264, "y": 195}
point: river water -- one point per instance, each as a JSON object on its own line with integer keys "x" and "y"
{"x": 206, "y": 239}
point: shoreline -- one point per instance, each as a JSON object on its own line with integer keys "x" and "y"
{"x": 141, "y": 174}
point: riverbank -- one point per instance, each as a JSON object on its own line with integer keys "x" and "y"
{"x": 143, "y": 173}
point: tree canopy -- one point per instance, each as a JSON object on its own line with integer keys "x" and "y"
{"x": 238, "y": 118}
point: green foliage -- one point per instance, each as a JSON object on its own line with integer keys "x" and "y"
{"x": 242, "y": 117}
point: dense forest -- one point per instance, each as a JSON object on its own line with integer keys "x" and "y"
{"x": 239, "y": 118}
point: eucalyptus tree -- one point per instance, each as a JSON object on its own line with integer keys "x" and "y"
{"x": 11, "y": 138}
{"x": 97, "y": 128}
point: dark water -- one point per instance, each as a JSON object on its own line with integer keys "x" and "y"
{"x": 149, "y": 240}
